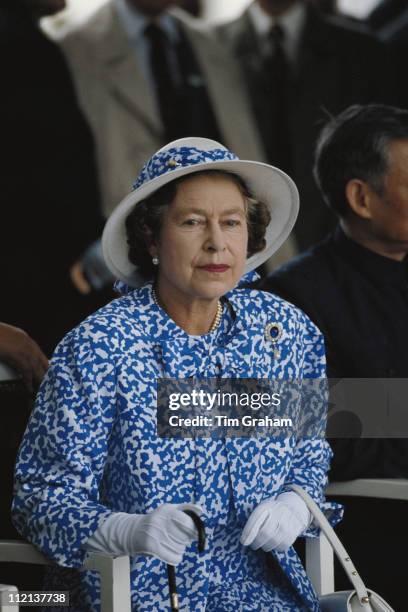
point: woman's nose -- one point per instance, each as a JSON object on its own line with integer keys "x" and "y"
{"x": 215, "y": 240}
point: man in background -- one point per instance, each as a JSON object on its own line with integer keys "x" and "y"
{"x": 48, "y": 184}
{"x": 300, "y": 66}
{"x": 354, "y": 287}
{"x": 145, "y": 75}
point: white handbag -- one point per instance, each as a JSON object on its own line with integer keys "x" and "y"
{"x": 358, "y": 600}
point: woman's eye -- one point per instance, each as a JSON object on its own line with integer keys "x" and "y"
{"x": 191, "y": 222}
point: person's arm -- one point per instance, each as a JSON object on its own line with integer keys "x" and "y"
{"x": 275, "y": 524}
{"x": 20, "y": 352}
{"x": 62, "y": 457}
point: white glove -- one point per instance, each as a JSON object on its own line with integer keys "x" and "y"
{"x": 164, "y": 533}
{"x": 276, "y": 524}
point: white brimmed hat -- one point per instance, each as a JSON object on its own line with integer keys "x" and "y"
{"x": 186, "y": 156}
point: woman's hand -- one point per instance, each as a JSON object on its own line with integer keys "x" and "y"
{"x": 20, "y": 351}
{"x": 164, "y": 533}
{"x": 276, "y": 524}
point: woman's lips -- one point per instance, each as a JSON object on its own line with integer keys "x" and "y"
{"x": 215, "y": 268}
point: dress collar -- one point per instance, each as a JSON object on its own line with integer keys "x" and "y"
{"x": 235, "y": 321}
{"x": 377, "y": 267}
{"x": 250, "y": 277}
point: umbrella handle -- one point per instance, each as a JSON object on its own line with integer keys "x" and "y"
{"x": 171, "y": 575}
{"x": 199, "y": 525}
{"x": 171, "y": 570}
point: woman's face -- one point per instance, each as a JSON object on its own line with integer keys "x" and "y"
{"x": 203, "y": 241}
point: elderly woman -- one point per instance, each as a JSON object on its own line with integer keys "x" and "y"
{"x": 93, "y": 474}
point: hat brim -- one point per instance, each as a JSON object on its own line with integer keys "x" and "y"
{"x": 267, "y": 184}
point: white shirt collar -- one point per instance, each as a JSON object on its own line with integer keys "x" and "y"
{"x": 292, "y": 23}
{"x": 134, "y": 22}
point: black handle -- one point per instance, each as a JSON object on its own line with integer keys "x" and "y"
{"x": 199, "y": 525}
{"x": 171, "y": 570}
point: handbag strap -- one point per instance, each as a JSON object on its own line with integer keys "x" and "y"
{"x": 321, "y": 521}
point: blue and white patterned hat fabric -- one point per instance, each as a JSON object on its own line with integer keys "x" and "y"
{"x": 169, "y": 160}
{"x": 186, "y": 156}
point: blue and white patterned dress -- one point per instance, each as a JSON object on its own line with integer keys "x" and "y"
{"x": 91, "y": 449}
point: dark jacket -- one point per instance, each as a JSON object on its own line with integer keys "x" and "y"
{"x": 359, "y": 300}
{"x": 395, "y": 34}
{"x": 339, "y": 64}
{"x": 385, "y": 13}
{"x": 48, "y": 184}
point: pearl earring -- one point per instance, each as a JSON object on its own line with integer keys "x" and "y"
{"x": 155, "y": 260}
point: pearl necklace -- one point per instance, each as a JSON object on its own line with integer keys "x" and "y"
{"x": 217, "y": 318}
